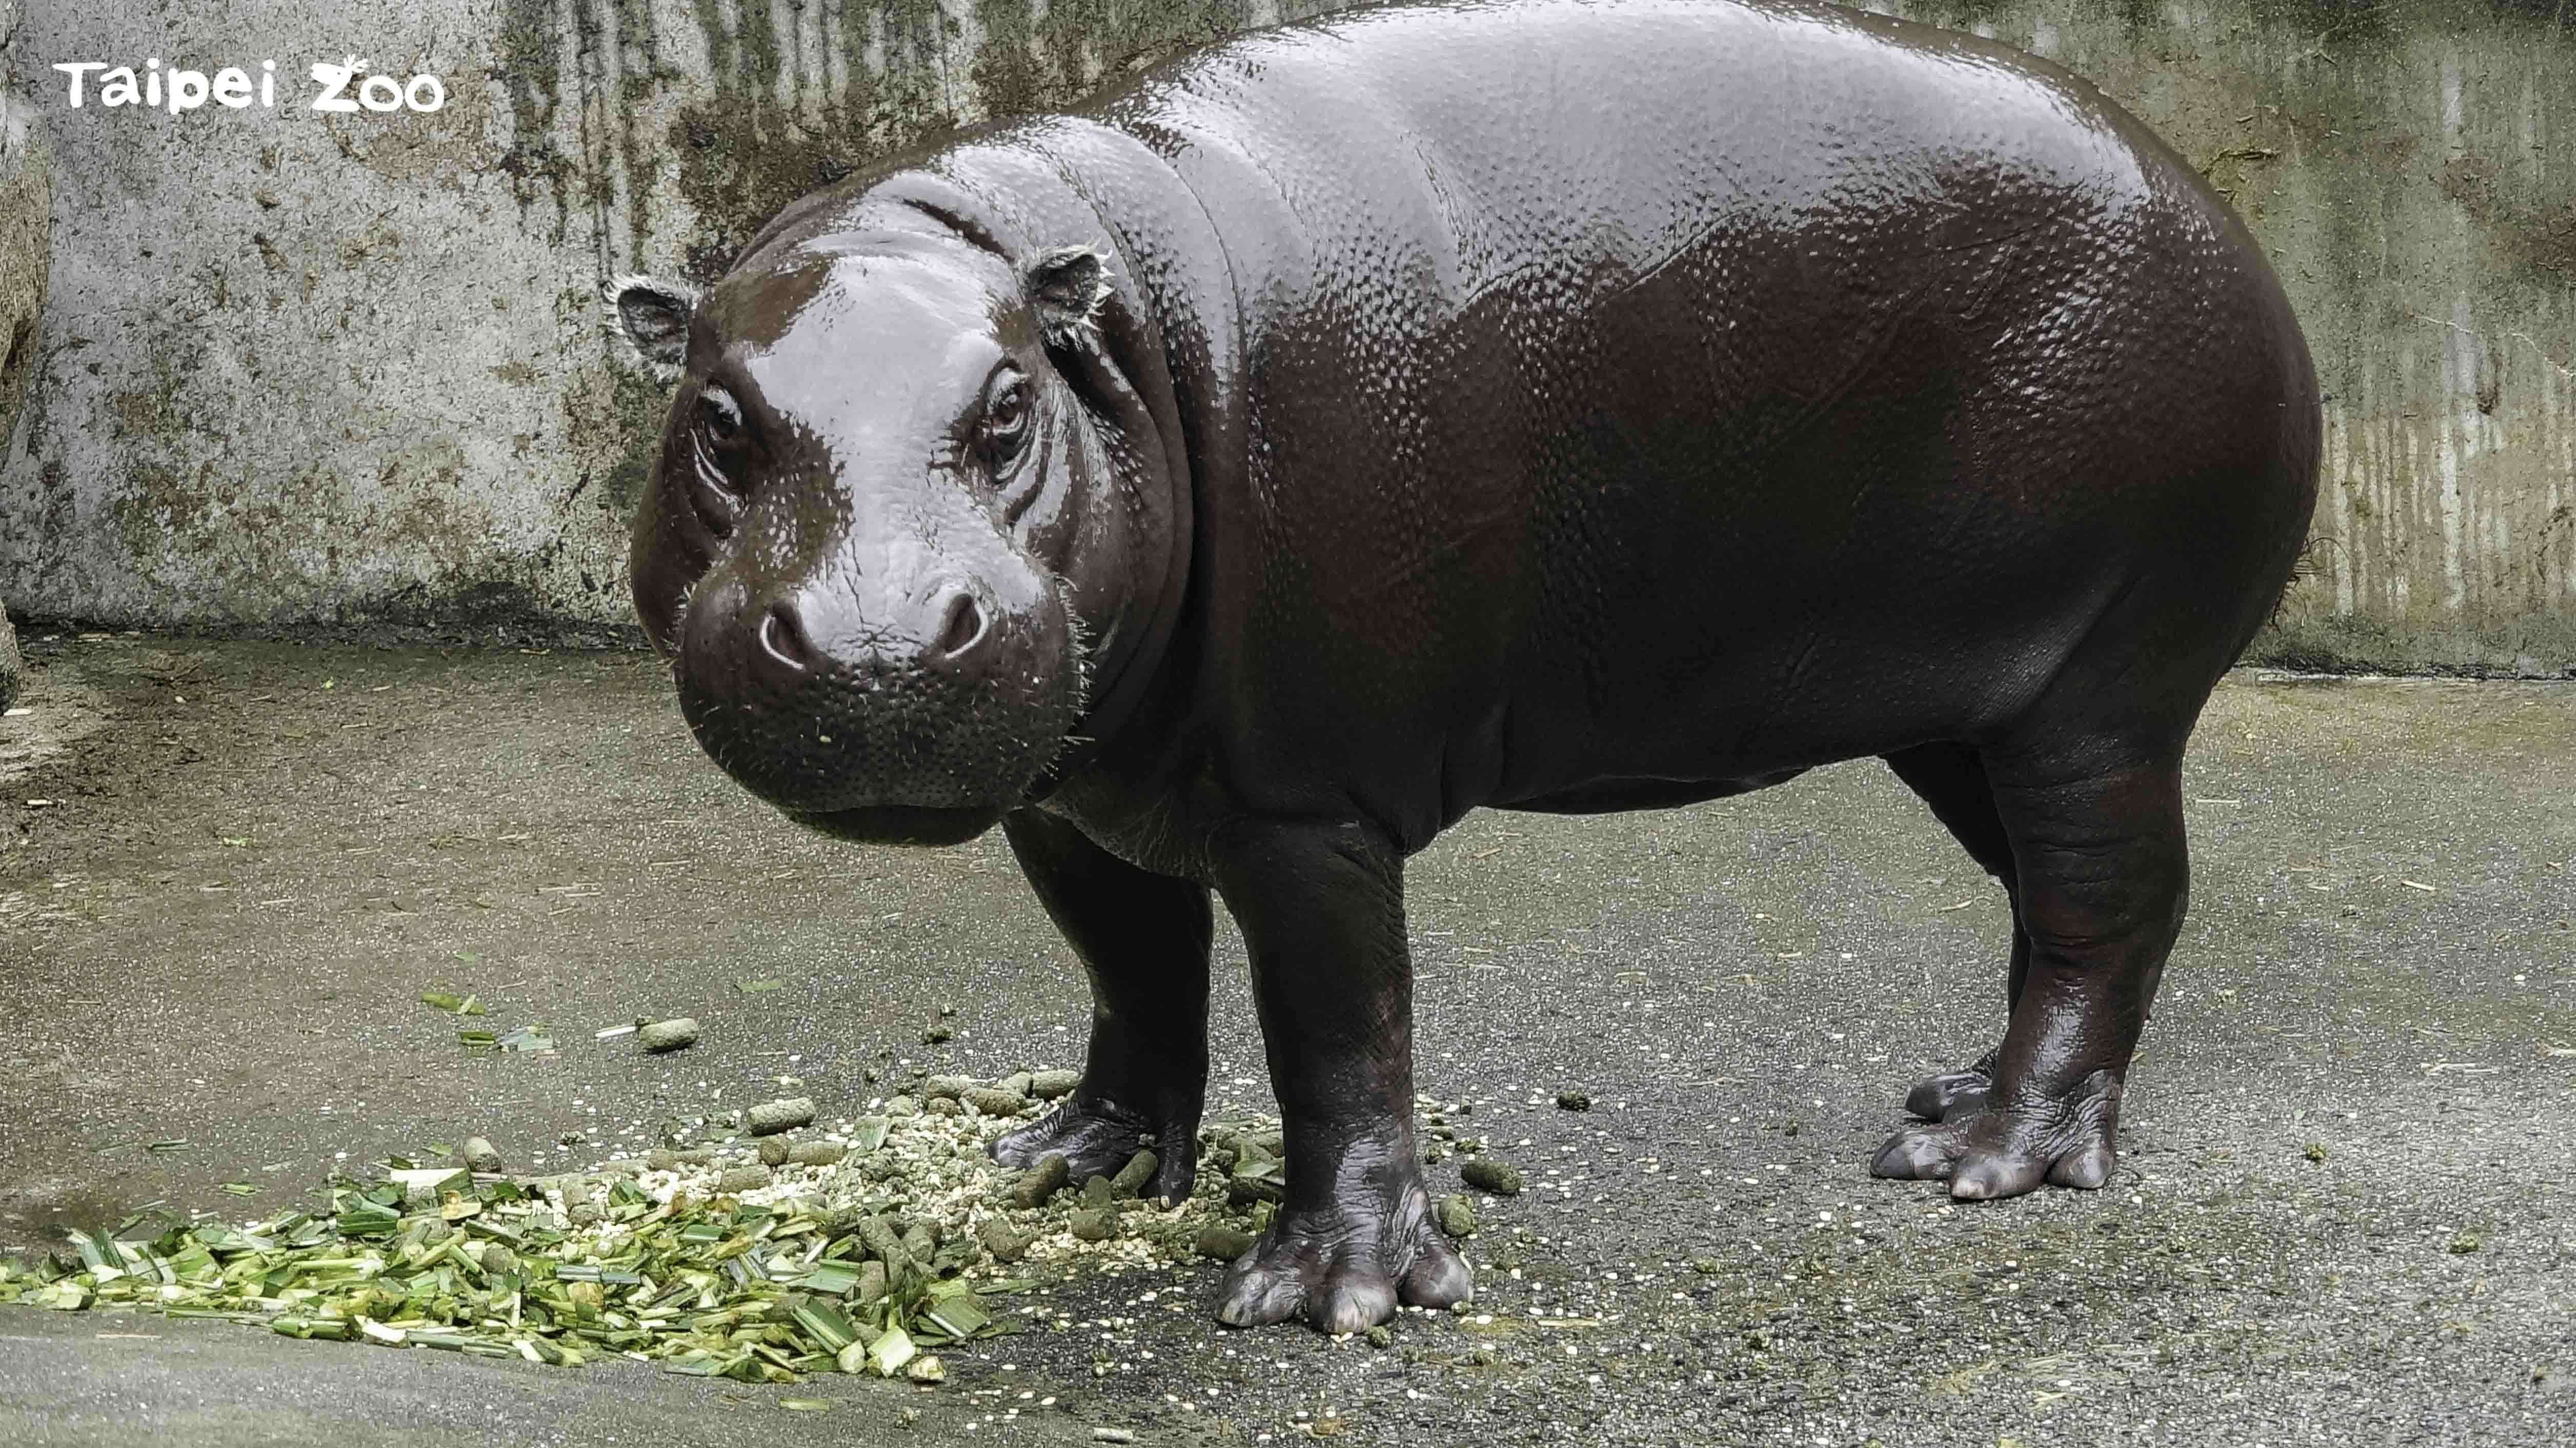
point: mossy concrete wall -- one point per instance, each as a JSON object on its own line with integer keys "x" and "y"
{"x": 26, "y": 206}
{"x": 308, "y": 369}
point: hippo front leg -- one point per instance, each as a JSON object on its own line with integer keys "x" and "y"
{"x": 1322, "y": 911}
{"x": 1143, "y": 938}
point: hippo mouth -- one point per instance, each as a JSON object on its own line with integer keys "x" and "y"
{"x": 895, "y": 739}
{"x": 898, "y": 824}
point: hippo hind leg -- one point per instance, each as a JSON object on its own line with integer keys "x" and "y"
{"x": 2096, "y": 833}
{"x": 1952, "y": 780}
{"x": 1143, "y": 938}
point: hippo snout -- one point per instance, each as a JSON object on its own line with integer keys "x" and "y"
{"x": 916, "y": 714}
{"x": 786, "y": 636}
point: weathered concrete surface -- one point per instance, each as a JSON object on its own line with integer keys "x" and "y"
{"x": 258, "y": 856}
{"x": 26, "y": 206}
{"x": 26, "y": 209}
{"x": 308, "y": 368}
{"x": 341, "y": 368}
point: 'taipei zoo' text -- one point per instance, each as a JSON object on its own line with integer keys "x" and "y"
{"x": 345, "y": 87}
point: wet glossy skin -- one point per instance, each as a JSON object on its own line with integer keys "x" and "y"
{"x": 1561, "y": 407}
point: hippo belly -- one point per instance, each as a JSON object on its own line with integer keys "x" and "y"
{"x": 1539, "y": 404}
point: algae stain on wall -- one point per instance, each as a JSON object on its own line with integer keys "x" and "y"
{"x": 701, "y": 120}
{"x": 665, "y": 137}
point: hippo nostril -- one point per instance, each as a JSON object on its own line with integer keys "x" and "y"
{"x": 783, "y": 639}
{"x": 964, "y": 627}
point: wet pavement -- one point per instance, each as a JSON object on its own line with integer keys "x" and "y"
{"x": 2345, "y": 1211}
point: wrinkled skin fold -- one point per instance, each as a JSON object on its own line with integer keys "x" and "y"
{"x": 1538, "y": 405}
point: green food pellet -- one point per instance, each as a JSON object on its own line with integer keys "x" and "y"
{"x": 993, "y": 1102}
{"x": 1457, "y": 1215}
{"x": 1222, "y": 1242}
{"x": 742, "y": 1179}
{"x": 1042, "y": 1181}
{"x": 782, "y": 1115}
{"x": 1132, "y": 1177}
{"x": 670, "y": 1035}
{"x": 1005, "y": 1242}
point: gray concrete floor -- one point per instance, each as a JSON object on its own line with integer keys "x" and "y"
{"x": 255, "y": 857}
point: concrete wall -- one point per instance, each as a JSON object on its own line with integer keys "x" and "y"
{"x": 26, "y": 206}
{"x": 345, "y": 370}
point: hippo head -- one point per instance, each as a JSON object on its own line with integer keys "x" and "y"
{"x": 900, "y": 517}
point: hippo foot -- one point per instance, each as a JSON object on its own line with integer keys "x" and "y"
{"x": 1954, "y": 1094}
{"x": 1345, "y": 1265}
{"x": 1098, "y": 1136}
{"x": 1991, "y": 1151}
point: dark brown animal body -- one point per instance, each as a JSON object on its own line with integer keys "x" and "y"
{"x": 1544, "y": 405}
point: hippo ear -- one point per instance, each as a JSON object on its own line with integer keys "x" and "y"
{"x": 1067, "y": 284}
{"x": 653, "y": 316}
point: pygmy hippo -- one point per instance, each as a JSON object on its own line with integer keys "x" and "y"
{"x": 1565, "y": 405}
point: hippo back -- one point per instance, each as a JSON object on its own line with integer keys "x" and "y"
{"x": 1714, "y": 364}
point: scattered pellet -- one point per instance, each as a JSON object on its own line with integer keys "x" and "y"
{"x": 1487, "y": 1174}
{"x": 479, "y": 1155}
{"x": 781, "y": 1115}
{"x": 671, "y": 1035}
{"x": 884, "y": 1236}
{"x": 1457, "y": 1215}
{"x": 1222, "y": 1242}
{"x": 817, "y": 1153}
{"x": 1091, "y": 1224}
{"x": 950, "y": 1087}
{"x": 774, "y": 1151}
{"x": 1132, "y": 1177}
{"x": 1245, "y": 1191}
{"x": 1003, "y": 1241}
{"x": 994, "y": 1102}
{"x": 1048, "y": 1085}
{"x": 742, "y": 1179}
{"x": 1574, "y": 1100}
{"x": 1042, "y": 1181}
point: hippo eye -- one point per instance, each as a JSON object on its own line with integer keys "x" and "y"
{"x": 715, "y": 450}
{"x": 1006, "y": 418}
{"x": 720, "y": 415}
